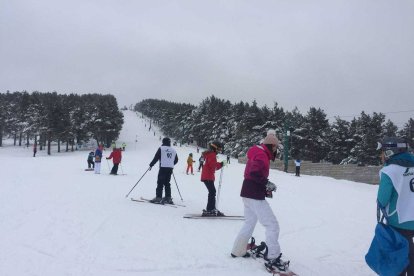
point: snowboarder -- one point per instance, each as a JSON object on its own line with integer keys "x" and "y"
{"x": 190, "y": 162}
{"x": 256, "y": 187}
{"x": 168, "y": 158}
{"x": 116, "y": 154}
{"x": 98, "y": 159}
{"x": 91, "y": 164}
{"x": 297, "y": 164}
{"x": 34, "y": 149}
{"x": 201, "y": 161}
{"x": 207, "y": 176}
{"x": 396, "y": 190}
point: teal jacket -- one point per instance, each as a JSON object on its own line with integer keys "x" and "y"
{"x": 388, "y": 195}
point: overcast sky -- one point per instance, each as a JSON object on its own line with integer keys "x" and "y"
{"x": 343, "y": 56}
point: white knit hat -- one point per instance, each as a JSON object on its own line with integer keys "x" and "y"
{"x": 271, "y": 138}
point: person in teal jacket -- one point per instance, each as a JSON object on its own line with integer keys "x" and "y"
{"x": 396, "y": 190}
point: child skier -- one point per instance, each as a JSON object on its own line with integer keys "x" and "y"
{"x": 91, "y": 164}
{"x": 168, "y": 158}
{"x": 116, "y": 154}
{"x": 207, "y": 176}
{"x": 98, "y": 158}
{"x": 190, "y": 162}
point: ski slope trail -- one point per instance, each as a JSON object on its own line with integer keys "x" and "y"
{"x": 57, "y": 219}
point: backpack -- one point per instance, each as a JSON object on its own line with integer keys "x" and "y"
{"x": 388, "y": 253}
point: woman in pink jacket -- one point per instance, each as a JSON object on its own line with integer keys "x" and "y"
{"x": 256, "y": 187}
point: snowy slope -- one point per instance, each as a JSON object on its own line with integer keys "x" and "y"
{"x": 57, "y": 219}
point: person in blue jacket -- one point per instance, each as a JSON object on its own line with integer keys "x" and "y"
{"x": 396, "y": 190}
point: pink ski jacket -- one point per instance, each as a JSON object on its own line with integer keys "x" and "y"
{"x": 256, "y": 172}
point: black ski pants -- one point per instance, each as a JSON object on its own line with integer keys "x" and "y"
{"x": 91, "y": 164}
{"x": 297, "y": 170}
{"x": 164, "y": 178}
{"x": 115, "y": 169}
{"x": 211, "y": 203}
{"x": 409, "y": 235}
{"x": 201, "y": 166}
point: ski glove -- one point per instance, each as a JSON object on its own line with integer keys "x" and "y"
{"x": 224, "y": 163}
{"x": 270, "y": 187}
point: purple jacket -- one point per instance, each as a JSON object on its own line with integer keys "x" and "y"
{"x": 256, "y": 172}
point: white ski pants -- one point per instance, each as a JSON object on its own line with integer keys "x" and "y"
{"x": 255, "y": 210}
{"x": 98, "y": 167}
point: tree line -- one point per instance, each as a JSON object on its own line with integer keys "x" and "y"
{"x": 309, "y": 136}
{"x": 51, "y": 117}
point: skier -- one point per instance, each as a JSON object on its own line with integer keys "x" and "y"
{"x": 396, "y": 190}
{"x": 201, "y": 161}
{"x": 123, "y": 146}
{"x": 91, "y": 164}
{"x": 297, "y": 164}
{"x": 207, "y": 176}
{"x": 168, "y": 158}
{"x": 256, "y": 187}
{"x": 190, "y": 162}
{"x": 116, "y": 154}
{"x": 34, "y": 149}
{"x": 228, "y": 158}
{"x": 98, "y": 158}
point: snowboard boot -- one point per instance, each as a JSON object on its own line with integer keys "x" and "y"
{"x": 156, "y": 200}
{"x": 167, "y": 200}
{"x": 277, "y": 264}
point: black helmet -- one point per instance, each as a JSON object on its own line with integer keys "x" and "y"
{"x": 392, "y": 145}
{"x": 216, "y": 146}
{"x": 166, "y": 141}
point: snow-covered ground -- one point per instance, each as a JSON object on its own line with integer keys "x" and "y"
{"x": 57, "y": 219}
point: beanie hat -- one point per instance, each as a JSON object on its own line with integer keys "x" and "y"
{"x": 270, "y": 139}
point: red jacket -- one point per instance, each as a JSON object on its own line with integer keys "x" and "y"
{"x": 116, "y": 155}
{"x": 256, "y": 172}
{"x": 210, "y": 165}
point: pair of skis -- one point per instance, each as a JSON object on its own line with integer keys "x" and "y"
{"x": 188, "y": 216}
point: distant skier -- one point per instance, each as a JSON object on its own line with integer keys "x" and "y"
{"x": 256, "y": 187}
{"x": 208, "y": 177}
{"x": 34, "y": 149}
{"x": 98, "y": 159}
{"x": 297, "y": 165}
{"x": 168, "y": 158}
{"x": 123, "y": 146}
{"x": 116, "y": 156}
{"x": 190, "y": 162}
{"x": 396, "y": 190}
{"x": 91, "y": 164}
{"x": 228, "y": 158}
{"x": 201, "y": 161}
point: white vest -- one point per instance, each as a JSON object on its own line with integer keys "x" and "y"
{"x": 403, "y": 181}
{"x": 167, "y": 157}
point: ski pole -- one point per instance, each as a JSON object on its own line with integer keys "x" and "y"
{"x": 177, "y": 187}
{"x": 219, "y": 187}
{"x": 138, "y": 181}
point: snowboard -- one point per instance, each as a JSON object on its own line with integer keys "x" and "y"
{"x": 199, "y": 216}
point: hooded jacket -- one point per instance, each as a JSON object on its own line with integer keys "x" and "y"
{"x": 256, "y": 172}
{"x": 116, "y": 155}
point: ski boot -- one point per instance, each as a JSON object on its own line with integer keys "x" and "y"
{"x": 212, "y": 213}
{"x": 277, "y": 265}
{"x": 167, "y": 200}
{"x": 156, "y": 200}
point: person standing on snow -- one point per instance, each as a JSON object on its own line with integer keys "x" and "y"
{"x": 91, "y": 164}
{"x": 396, "y": 191}
{"x": 207, "y": 176}
{"x": 201, "y": 161}
{"x": 297, "y": 165}
{"x": 98, "y": 159}
{"x": 168, "y": 158}
{"x": 116, "y": 154}
{"x": 256, "y": 187}
{"x": 34, "y": 149}
{"x": 190, "y": 162}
